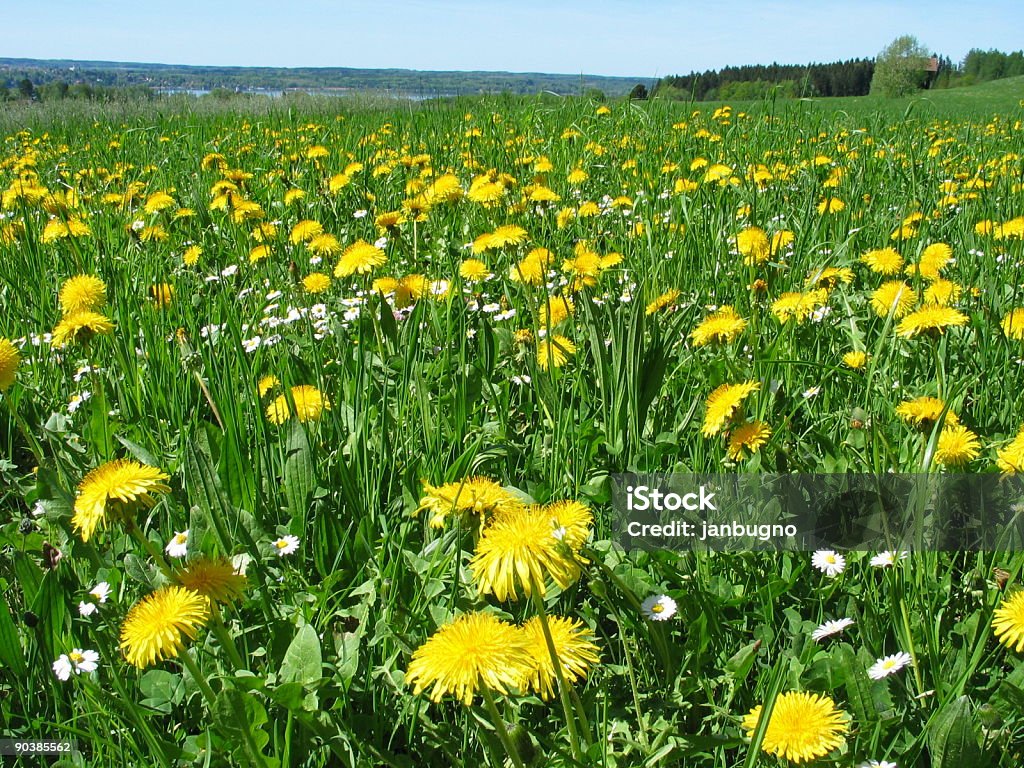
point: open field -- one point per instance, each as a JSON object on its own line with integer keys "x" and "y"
{"x": 309, "y": 415}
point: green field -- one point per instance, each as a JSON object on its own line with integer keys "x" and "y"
{"x": 330, "y": 397}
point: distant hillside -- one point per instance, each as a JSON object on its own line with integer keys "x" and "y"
{"x": 404, "y": 81}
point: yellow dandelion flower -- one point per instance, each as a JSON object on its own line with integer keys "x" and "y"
{"x": 80, "y": 327}
{"x": 474, "y": 497}
{"x": 82, "y": 293}
{"x": 753, "y": 245}
{"x": 884, "y": 261}
{"x": 720, "y": 327}
{"x": 475, "y": 651}
{"x": 316, "y": 282}
{"x": 520, "y": 550}
{"x": 957, "y": 446}
{"x": 931, "y": 320}
{"x": 554, "y": 352}
{"x": 942, "y": 292}
{"x": 294, "y": 196}
{"x": 259, "y": 253}
{"x": 724, "y": 404}
{"x": 473, "y": 270}
{"x": 748, "y": 438}
{"x": 113, "y": 491}
{"x": 159, "y": 201}
{"x": 798, "y": 306}
{"x": 1013, "y": 324}
{"x": 829, "y": 277}
{"x": 213, "y": 577}
{"x": 666, "y": 299}
{"x": 324, "y": 244}
{"x": 9, "y": 360}
{"x": 309, "y": 402}
{"x": 893, "y": 296}
{"x": 575, "y": 650}
{"x": 359, "y": 258}
{"x": 533, "y": 268}
{"x": 191, "y": 255}
{"x": 571, "y": 522}
{"x": 1010, "y": 459}
{"x": 154, "y": 627}
{"x": 305, "y": 231}
{"x": 802, "y": 727}
{"x": 924, "y": 411}
{"x": 831, "y": 205}
{"x": 856, "y": 360}
{"x": 162, "y": 294}
{"x": 556, "y": 310}
{"x": 1008, "y": 622}
{"x": 267, "y": 383}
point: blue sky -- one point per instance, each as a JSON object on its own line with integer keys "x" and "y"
{"x": 609, "y": 37}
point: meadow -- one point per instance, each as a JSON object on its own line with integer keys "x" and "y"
{"x": 309, "y": 414}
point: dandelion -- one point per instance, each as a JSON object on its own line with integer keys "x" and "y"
{"x": 798, "y": 306}
{"x": 658, "y": 608}
{"x": 575, "y": 650}
{"x": 178, "y": 545}
{"x": 554, "y": 352}
{"x": 285, "y": 545}
{"x": 476, "y": 497}
{"x": 1011, "y": 457}
{"x": 884, "y": 261}
{"x": 113, "y": 491}
{"x": 724, "y": 403}
{"x": 803, "y": 726}
{"x": 889, "y": 665}
{"x": 154, "y": 627}
{"x": 316, "y": 282}
{"x": 82, "y": 293}
{"x": 663, "y": 301}
{"x": 924, "y": 412}
{"x": 830, "y": 628}
{"x": 9, "y": 360}
{"x": 1008, "y": 622}
{"x": 309, "y": 402}
{"x": 516, "y": 550}
{"x": 80, "y": 327}
{"x": 957, "y": 446}
{"x": 931, "y": 320}
{"x": 214, "y": 577}
{"x": 721, "y": 327}
{"x": 359, "y": 258}
{"x": 476, "y": 651}
{"x": 473, "y": 270}
{"x": 748, "y": 438}
{"x": 77, "y": 662}
{"x": 1013, "y": 324}
{"x": 855, "y": 360}
{"x": 894, "y": 297}
{"x": 828, "y": 562}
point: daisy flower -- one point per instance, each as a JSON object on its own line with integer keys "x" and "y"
{"x": 659, "y": 608}
{"x": 887, "y": 558}
{"x": 78, "y": 661}
{"x": 101, "y": 591}
{"x": 877, "y": 764}
{"x": 286, "y": 545}
{"x": 828, "y": 562}
{"x": 178, "y": 545}
{"x": 889, "y": 665}
{"x": 830, "y": 628}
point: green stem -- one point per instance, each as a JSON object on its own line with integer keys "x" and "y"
{"x": 499, "y": 727}
{"x": 563, "y": 687}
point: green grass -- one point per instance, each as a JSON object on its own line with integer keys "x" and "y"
{"x": 308, "y": 669}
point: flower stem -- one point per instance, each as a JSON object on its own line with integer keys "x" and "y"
{"x": 499, "y": 725}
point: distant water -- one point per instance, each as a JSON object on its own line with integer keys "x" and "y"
{"x": 276, "y": 93}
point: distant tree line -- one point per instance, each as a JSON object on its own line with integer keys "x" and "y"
{"x": 840, "y": 78}
{"x": 56, "y": 90}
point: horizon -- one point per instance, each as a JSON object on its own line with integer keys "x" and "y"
{"x": 607, "y": 38}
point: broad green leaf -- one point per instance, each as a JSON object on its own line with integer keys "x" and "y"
{"x": 303, "y": 662}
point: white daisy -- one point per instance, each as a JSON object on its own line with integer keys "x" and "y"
{"x": 887, "y": 559}
{"x": 830, "y": 628}
{"x": 101, "y": 591}
{"x": 286, "y": 545}
{"x": 178, "y": 545}
{"x": 889, "y": 665}
{"x": 829, "y": 562}
{"x": 78, "y": 661}
{"x": 87, "y": 609}
{"x": 877, "y": 764}
{"x": 659, "y": 607}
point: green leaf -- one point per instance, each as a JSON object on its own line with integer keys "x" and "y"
{"x": 741, "y": 662}
{"x": 303, "y": 662}
{"x": 10, "y": 646}
{"x": 299, "y": 476}
{"x": 953, "y": 740}
{"x": 869, "y": 700}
